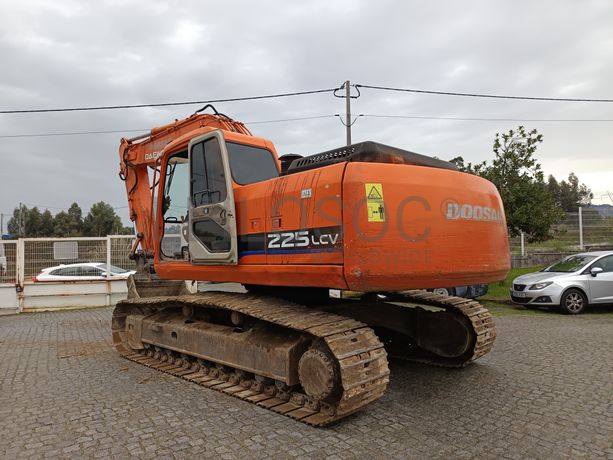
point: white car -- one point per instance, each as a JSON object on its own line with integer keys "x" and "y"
{"x": 90, "y": 271}
{"x": 572, "y": 283}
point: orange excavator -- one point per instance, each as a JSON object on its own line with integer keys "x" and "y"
{"x": 335, "y": 251}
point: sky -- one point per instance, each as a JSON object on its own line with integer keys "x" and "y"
{"x": 73, "y": 53}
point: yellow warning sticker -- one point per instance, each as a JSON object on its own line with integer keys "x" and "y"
{"x": 374, "y": 202}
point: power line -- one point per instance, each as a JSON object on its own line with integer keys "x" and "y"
{"x": 115, "y": 131}
{"x": 491, "y": 96}
{"x": 596, "y": 120}
{"x": 288, "y": 119}
{"x": 168, "y": 104}
{"x": 316, "y": 117}
{"x": 415, "y": 117}
{"x": 75, "y": 133}
{"x": 299, "y": 93}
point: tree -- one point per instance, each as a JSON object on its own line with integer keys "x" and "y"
{"x": 16, "y": 224}
{"x": 459, "y": 162}
{"x": 61, "y": 224}
{"x": 569, "y": 195}
{"x": 75, "y": 220}
{"x": 477, "y": 169}
{"x": 33, "y": 222}
{"x": 102, "y": 221}
{"x": 46, "y": 224}
{"x": 25, "y": 223}
{"x": 529, "y": 205}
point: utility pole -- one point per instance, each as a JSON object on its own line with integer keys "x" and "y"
{"x": 347, "y": 122}
{"x": 20, "y": 219}
{"x": 348, "y": 110}
{"x": 1, "y": 224}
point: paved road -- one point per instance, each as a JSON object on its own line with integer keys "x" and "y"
{"x": 544, "y": 392}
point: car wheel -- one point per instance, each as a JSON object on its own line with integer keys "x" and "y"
{"x": 573, "y": 302}
{"x": 444, "y": 291}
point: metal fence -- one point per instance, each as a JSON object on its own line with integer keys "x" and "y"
{"x": 8, "y": 262}
{"x": 23, "y": 260}
{"x": 584, "y": 230}
{"x": 37, "y": 254}
{"x": 120, "y": 250}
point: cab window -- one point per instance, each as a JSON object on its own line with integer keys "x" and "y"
{"x": 251, "y": 164}
{"x": 606, "y": 263}
{"x": 207, "y": 173}
{"x": 175, "y": 205}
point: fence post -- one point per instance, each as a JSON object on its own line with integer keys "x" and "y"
{"x": 20, "y": 272}
{"x": 580, "y": 228}
{"x": 523, "y": 244}
{"x": 108, "y": 271}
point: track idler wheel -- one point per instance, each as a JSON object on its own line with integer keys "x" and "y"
{"x": 318, "y": 373}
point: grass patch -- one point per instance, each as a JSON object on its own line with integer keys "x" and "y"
{"x": 500, "y": 290}
{"x": 498, "y": 301}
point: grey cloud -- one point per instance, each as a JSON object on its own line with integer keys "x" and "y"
{"x": 75, "y": 54}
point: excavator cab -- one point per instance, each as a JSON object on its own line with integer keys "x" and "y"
{"x": 198, "y": 206}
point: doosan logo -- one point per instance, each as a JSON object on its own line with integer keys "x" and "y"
{"x": 473, "y": 212}
{"x": 152, "y": 156}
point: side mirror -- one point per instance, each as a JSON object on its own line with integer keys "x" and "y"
{"x": 595, "y": 270}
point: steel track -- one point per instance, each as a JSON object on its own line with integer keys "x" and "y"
{"x": 359, "y": 353}
{"x": 480, "y": 319}
{"x": 361, "y": 358}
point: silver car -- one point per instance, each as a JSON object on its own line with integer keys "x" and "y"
{"x": 571, "y": 283}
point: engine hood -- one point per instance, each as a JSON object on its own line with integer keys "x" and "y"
{"x": 532, "y": 278}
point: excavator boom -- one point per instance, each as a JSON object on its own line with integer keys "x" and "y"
{"x": 140, "y": 155}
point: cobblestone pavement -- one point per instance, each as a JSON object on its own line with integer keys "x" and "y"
{"x": 545, "y": 391}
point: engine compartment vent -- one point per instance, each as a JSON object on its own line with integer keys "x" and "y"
{"x": 368, "y": 151}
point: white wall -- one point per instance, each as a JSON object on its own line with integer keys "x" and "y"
{"x": 45, "y": 296}
{"x": 8, "y": 299}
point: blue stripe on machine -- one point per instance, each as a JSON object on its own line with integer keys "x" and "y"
{"x": 273, "y": 252}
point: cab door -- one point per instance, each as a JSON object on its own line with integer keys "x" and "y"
{"x": 212, "y": 216}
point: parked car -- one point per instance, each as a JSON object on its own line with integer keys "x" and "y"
{"x": 90, "y": 271}
{"x": 571, "y": 283}
{"x": 470, "y": 292}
